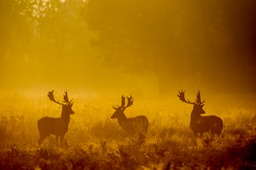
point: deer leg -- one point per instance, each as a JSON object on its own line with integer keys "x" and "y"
{"x": 41, "y": 139}
{"x": 61, "y": 139}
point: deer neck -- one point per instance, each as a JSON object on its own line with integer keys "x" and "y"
{"x": 122, "y": 120}
{"x": 65, "y": 117}
{"x": 194, "y": 117}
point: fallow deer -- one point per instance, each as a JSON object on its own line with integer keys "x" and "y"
{"x": 56, "y": 126}
{"x": 135, "y": 125}
{"x": 200, "y": 124}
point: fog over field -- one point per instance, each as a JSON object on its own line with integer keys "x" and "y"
{"x": 151, "y": 48}
{"x": 98, "y": 50}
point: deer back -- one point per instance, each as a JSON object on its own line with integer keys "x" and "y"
{"x": 138, "y": 124}
{"x": 212, "y": 124}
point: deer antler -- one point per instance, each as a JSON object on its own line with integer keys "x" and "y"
{"x": 66, "y": 100}
{"x": 181, "y": 95}
{"x": 115, "y": 107}
{"x": 51, "y": 97}
{"x": 129, "y": 101}
{"x": 65, "y": 97}
{"x": 122, "y": 101}
{"x": 198, "y": 98}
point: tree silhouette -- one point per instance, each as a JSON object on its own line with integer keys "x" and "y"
{"x": 196, "y": 41}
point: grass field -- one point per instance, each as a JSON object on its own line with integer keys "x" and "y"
{"x": 94, "y": 141}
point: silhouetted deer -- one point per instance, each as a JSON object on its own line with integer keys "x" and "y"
{"x": 56, "y": 126}
{"x": 136, "y": 125}
{"x": 200, "y": 124}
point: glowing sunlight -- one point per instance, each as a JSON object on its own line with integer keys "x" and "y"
{"x": 127, "y": 84}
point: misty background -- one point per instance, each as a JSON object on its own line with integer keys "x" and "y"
{"x": 148, "y": 48}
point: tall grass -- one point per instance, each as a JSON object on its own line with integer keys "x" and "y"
{"x": 94, "y": 141}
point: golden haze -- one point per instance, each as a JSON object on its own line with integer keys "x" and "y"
{"x": 98, "y": 50}
{"x": 120, "y": 47}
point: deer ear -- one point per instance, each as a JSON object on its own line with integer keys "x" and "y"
{"x": 202, "y": 105}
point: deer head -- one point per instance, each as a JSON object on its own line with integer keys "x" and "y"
{"x": 66, "y": 104}
{"x": 119, "y": 110}
{"x": 198, "y": 104}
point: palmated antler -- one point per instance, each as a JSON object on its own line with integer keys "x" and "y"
{"x": 122, "y": 101}
{"x": 198, "y": 99}
{"x": 51, "y": 97}
{"x": 66, "y": 100}
{"x": 129, "y": 103}
{"x": 181, "y": 95}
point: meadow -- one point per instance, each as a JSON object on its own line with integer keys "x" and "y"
{"x": 94, "y": 141}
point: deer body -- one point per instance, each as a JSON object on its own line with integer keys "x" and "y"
{"x": 55, "y": 126}
{"x": 201, "y": 124}
{"x": 134, "y": 125}
{"x": 138, "y": 124}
